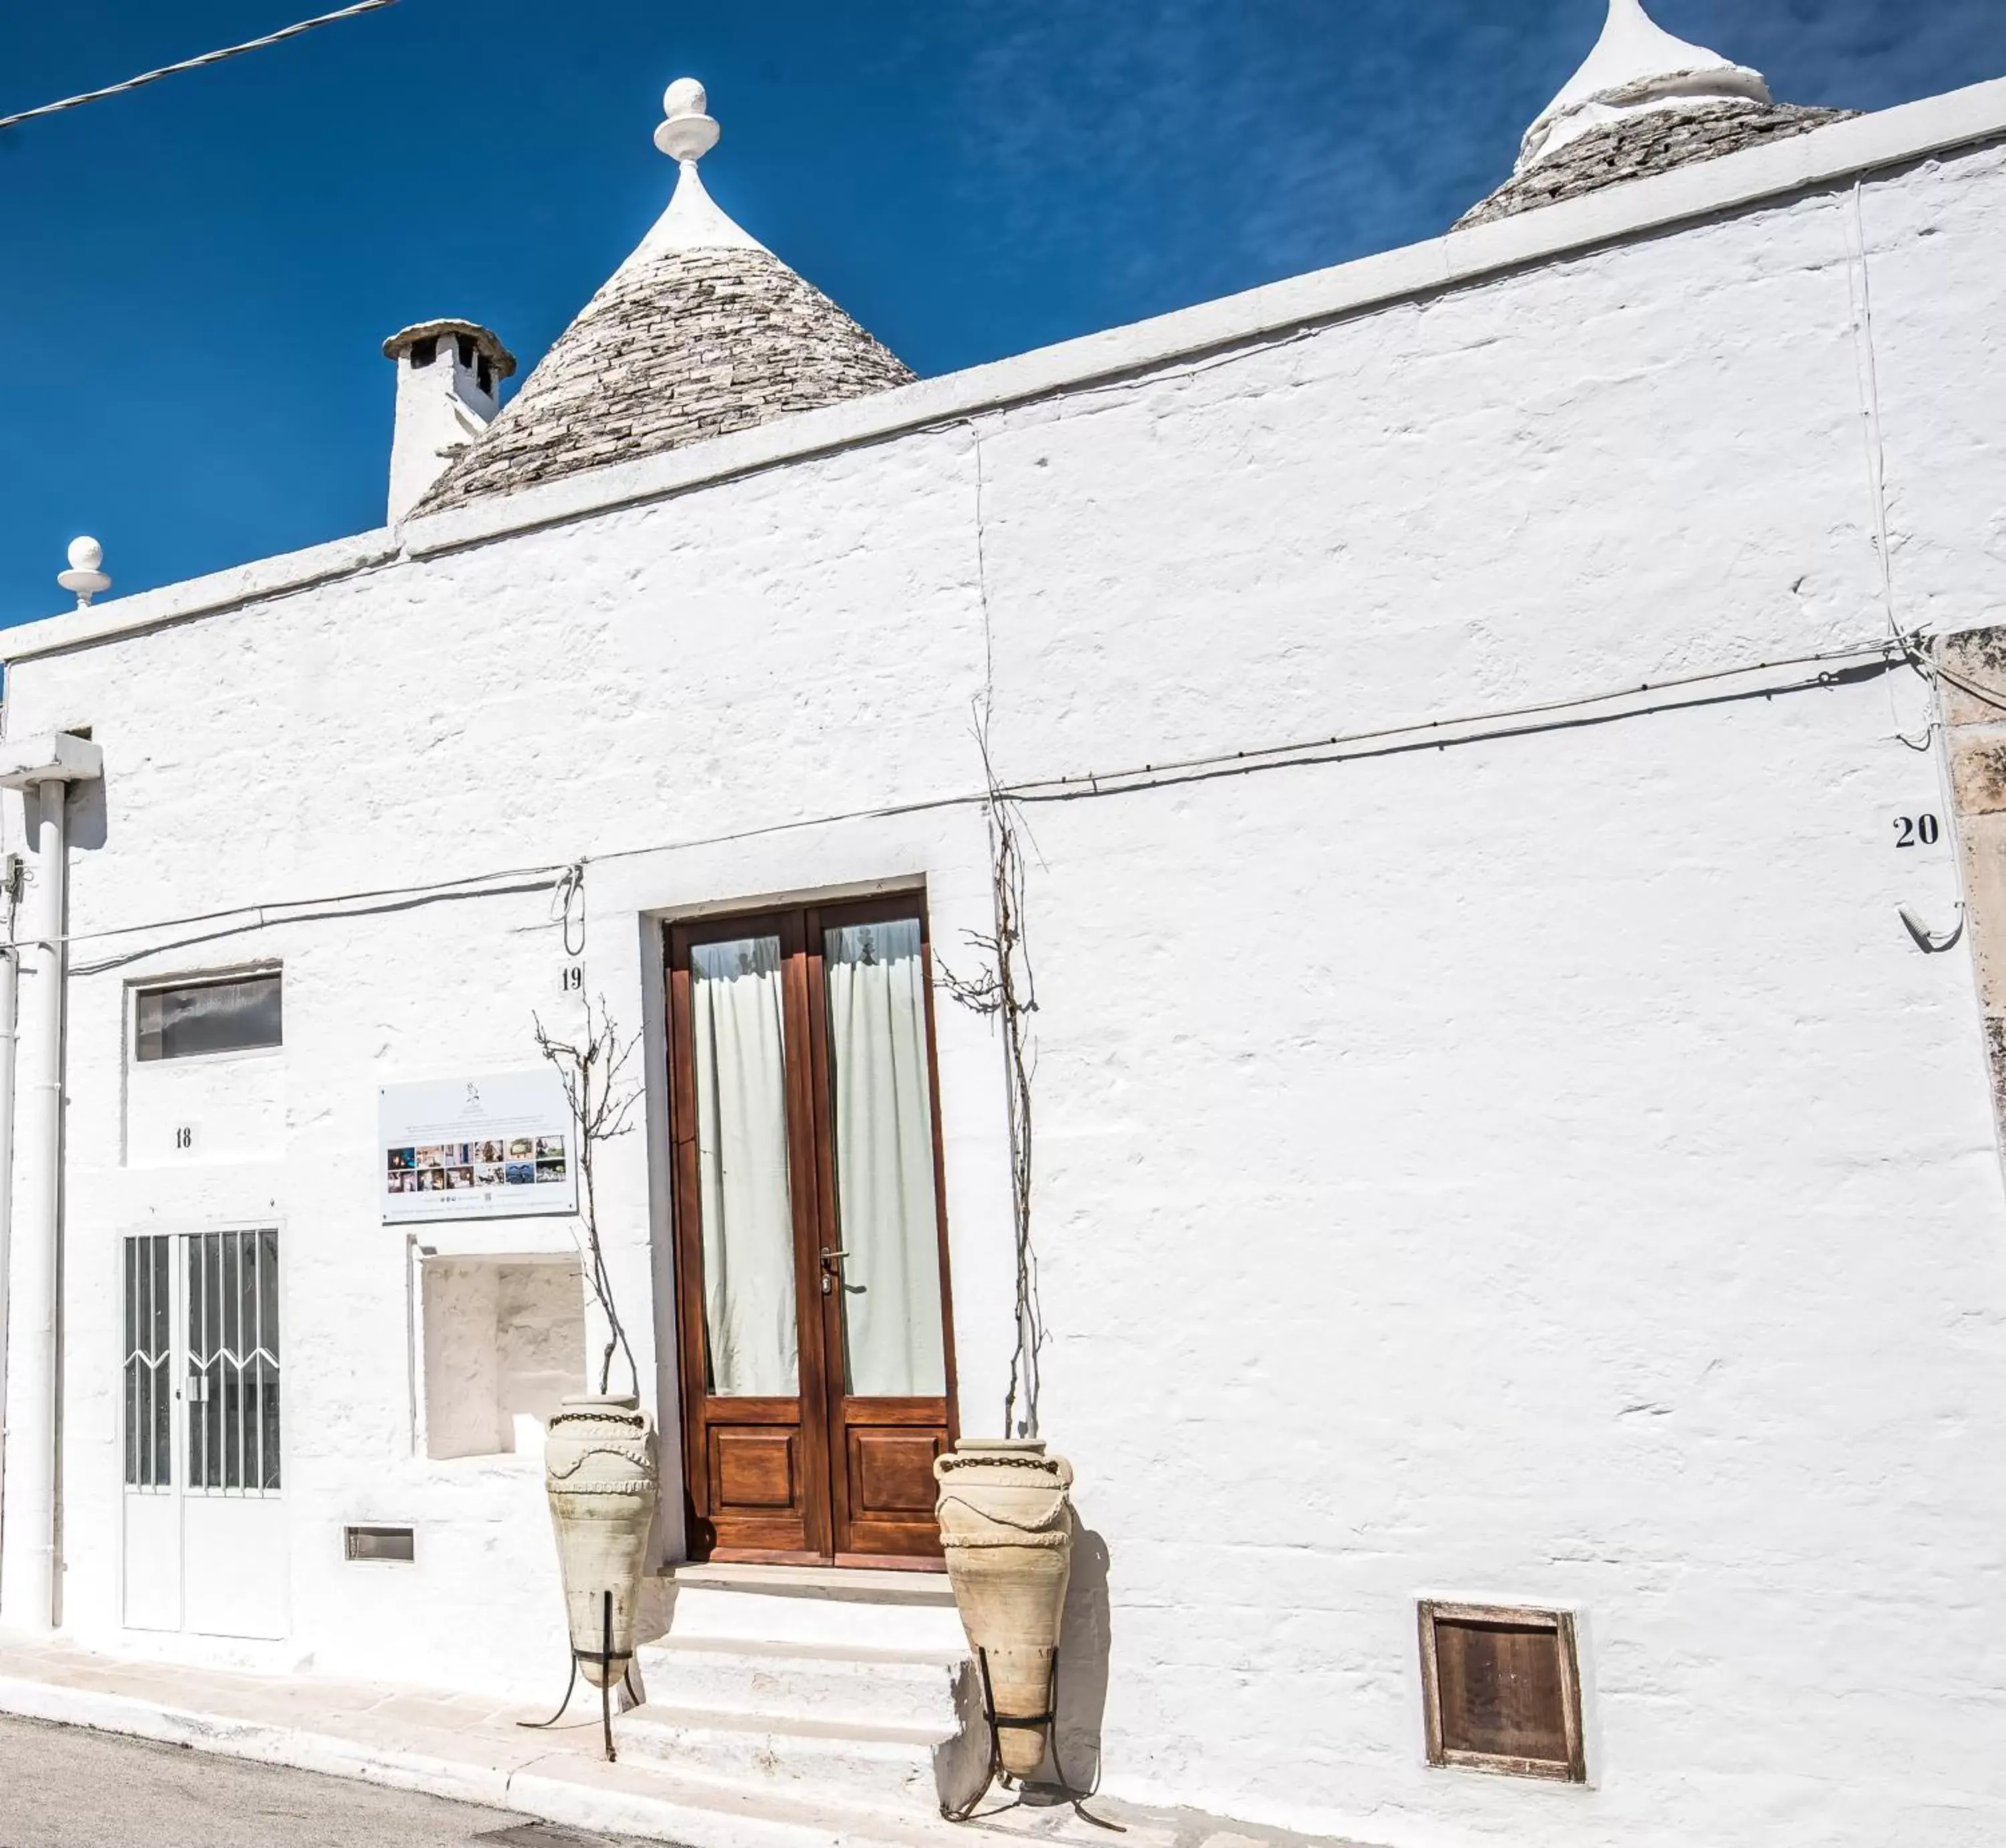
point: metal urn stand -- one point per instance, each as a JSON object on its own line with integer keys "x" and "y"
{"x": 603, "y": 1656}
{"x": 1047, "y": 1723}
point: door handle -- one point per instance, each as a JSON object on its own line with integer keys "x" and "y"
{"x": 829, "y": 1261}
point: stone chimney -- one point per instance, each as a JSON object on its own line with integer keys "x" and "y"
{"x": 449, "y": 376}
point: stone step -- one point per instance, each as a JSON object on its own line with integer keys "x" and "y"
{"x": 895, "y": 1611}
{"x": 886, "y": 1766}
{"x": 784, "y": 1681}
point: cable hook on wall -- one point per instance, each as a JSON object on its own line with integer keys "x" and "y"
{"x": 1930, "y": 941}
{"x": 568, "y": 906}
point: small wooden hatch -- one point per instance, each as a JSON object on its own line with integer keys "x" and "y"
{"x": 1502, "y": 1690}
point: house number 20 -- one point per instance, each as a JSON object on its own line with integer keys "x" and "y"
{"x": 1915, "y": 830}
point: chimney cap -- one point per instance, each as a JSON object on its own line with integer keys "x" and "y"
{"x": 55, "y": 756}
{"x": 484, "y": 339}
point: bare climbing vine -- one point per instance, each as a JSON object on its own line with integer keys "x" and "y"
{"x": 1006, "y": 990}
{"x": 602, "y": 1100}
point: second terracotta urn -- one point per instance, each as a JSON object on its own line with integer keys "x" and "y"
{"x": 1006, "y": 1527}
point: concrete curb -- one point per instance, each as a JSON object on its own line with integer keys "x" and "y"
{"x": 578, "y": 1793}
{"x": 256, "y": 1741}
{"x": 636, "y": 1813}
{"x": 645, "y": 1799}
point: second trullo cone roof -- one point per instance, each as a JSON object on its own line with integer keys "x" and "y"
{"x": 701, "y": 332}
{"x": 1644, "y": 103}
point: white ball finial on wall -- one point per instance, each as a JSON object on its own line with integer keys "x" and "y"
{"x": 687, "y": 133}
{"x": 86, "y": 577}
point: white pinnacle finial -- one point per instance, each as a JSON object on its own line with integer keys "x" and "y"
{"x": 687, "y": 133}
{"x": 693, "y": 221}
{"x": 85, "y": 579}
{"x": 1636, "y": 65}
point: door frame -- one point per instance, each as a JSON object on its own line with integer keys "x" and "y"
{"x": 822, "y": 1414}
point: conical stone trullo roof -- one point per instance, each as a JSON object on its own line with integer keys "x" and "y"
{"x": 1644, "y": 103}
{"x": 701, "y": 332}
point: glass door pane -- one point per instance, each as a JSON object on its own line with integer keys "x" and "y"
{"x": 233, "y": 1362}
{"x": 148, "y": 1431}
{"x": 882, "y": 1109}
{"x": 264, "y": 1376}
{"x": 752, "y": 1346}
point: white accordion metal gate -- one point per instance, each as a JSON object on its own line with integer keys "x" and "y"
{"x": 205, "y": 1534}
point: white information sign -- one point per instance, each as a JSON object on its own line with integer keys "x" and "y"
{"x": 477, "y": 1148}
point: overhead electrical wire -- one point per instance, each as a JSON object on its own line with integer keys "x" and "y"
{"x": 1424, "y": 733}
{"x": 262, "y": 917}
{"x": 509, "y": 878}
{"x": 1824, "y": 670}
{"x": 194, "y": 63}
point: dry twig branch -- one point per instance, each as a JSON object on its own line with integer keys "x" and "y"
{"x": 1007, "y": 990}
{"x": 602, "y": 1100}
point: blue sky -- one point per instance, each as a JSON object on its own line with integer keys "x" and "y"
{"x": 195, "y": 280}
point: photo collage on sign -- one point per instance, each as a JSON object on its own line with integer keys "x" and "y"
{"x": 500, "y": 1161}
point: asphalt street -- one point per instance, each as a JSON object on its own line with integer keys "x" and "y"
{"x": 63, "y": 1788}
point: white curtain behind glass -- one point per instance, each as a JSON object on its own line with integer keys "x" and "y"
{"x": 741, "y": 1143}
{"x": 885, "y": 1159}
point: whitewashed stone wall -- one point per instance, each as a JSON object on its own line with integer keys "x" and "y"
{"x": 1543, "y": 1169}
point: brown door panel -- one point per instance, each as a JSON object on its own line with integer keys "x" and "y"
{"x": 890, "y": 1480}
{"x": 753, "y": 1485}
{"x": 753, "y": 1469}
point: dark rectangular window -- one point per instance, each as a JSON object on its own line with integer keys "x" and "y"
{"x": 1503, "y": 1690}
{"x": 227, "y": 1016}
{"x": 397, "y": 1544}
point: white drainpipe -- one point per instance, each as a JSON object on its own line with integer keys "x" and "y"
{"x": 9, "y": 988}
{"x": 30, "y": 1572}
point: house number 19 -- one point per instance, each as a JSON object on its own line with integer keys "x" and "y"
{"x": 574, "y": 980}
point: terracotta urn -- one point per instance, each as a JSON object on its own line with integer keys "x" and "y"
{"x": 1006, "y": 1526}
{"x": 599, "y": 1473}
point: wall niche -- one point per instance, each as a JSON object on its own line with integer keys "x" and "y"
{"x": 503, "y": 1343}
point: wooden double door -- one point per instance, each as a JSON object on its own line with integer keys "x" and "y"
{"x": 811, "y": 1291}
